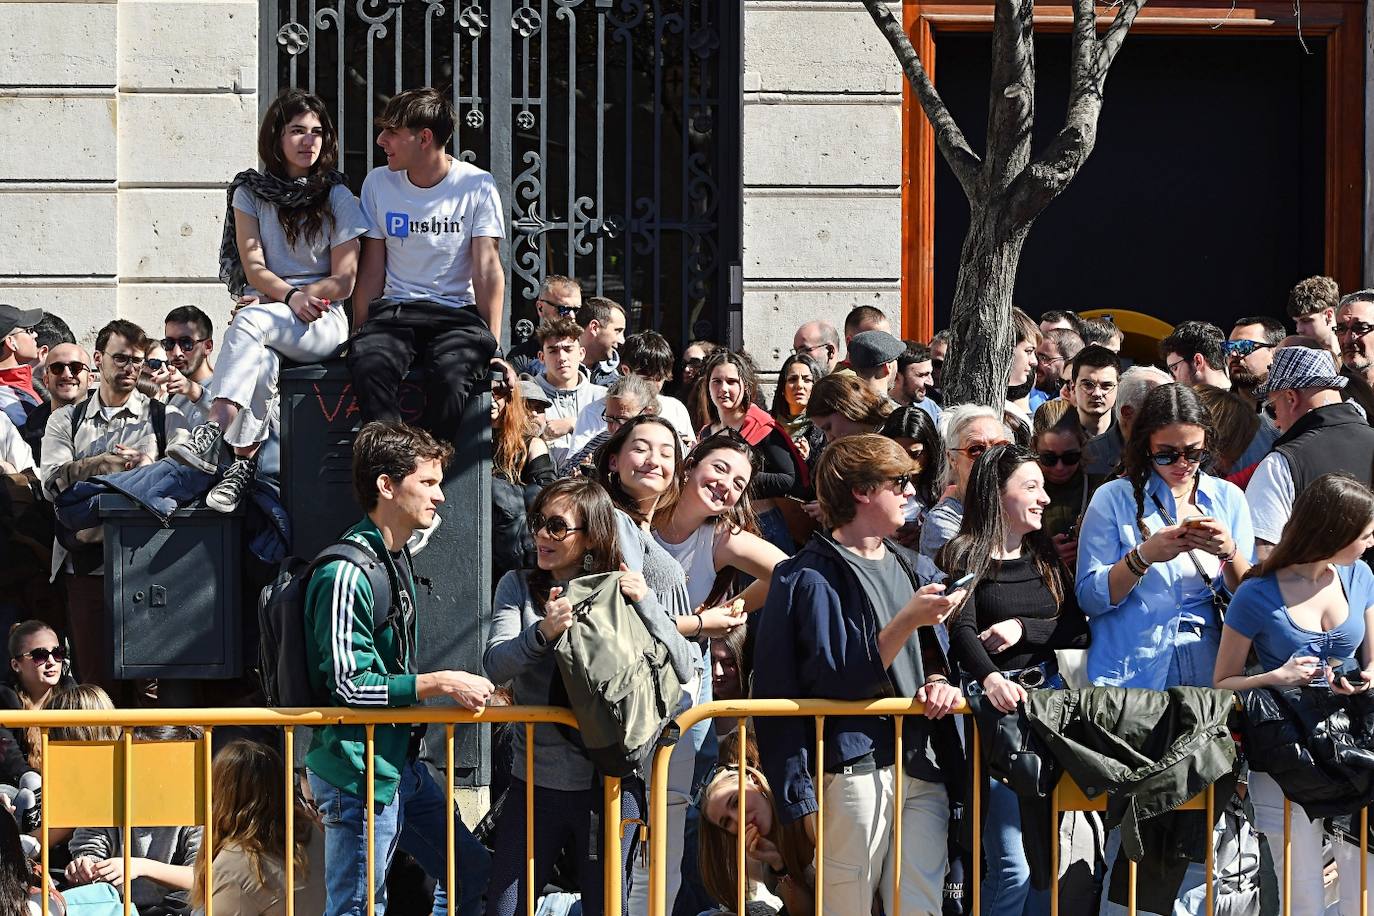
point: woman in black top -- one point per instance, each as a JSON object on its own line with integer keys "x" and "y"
{"x": 1021, "y": 607}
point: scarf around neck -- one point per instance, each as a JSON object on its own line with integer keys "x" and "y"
{"x": 285, "y": 193}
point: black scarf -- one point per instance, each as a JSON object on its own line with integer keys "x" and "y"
{"x": 285, "y": 193}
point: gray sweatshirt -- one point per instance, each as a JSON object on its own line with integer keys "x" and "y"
{"x": 172, "y": 845}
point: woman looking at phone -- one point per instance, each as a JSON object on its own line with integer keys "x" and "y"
{"x": 1309, "y": 603}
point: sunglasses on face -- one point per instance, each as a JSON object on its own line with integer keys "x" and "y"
{"x": 187, "y": 344}
{"x": 564, "y": 311}
{"x": 1242, "y": 348}
{"x": 73, "y": 368}
{"x": 903, "y": 481}
{"x": 155, "y": 364}
{"x": 1068, "y": 459}
{"x": 41, "y": 656}
{"x": 1171, "y": 456}
{"x": 556, "y": 527}
{"x": 1358, "y": 328}
{"x": 1271, "y": 410}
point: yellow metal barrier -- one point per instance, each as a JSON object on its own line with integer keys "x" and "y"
{"x": 91, "y": 783}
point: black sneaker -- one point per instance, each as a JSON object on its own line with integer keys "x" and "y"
{"x": 226, "y": 495}
{"x": 203, "y": 450}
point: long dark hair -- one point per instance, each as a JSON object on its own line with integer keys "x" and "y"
{"x": 1164, "y": 406}
{"x": 984, "y": 528}
{"x": 306, "y": 222}
{"x": 748, "y": 376}
{"x": 1330, "y": 513}
{"x": 598, "y": 518}
{"x": 16, "y": 875}
{"x": 912, "y": 422}
{"x": 611, "y": 480}
{"x": 782, "y": 411}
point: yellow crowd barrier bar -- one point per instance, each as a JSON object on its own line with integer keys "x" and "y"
{"x": 451, "y": 829}
{"x": 288, "y": 754}
{"x": 126, "y": 829}
{"x": 529, "y": 820}
{"x": 741, "y": 863}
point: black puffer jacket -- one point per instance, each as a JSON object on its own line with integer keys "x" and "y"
{"x": 1317, "y": 745}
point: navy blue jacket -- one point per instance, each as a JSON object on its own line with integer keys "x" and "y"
{"x": 818, "y": 639}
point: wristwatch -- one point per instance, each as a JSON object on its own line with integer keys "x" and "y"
{"x": 539, "y": 638}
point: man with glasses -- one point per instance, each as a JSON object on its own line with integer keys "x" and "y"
{"x": 115, "y": 428}
{"x": 1355, "y": 334}
{"x": 188, "y": 339}
{"x": 1249, "y": 351}
{"x": 1095, "y": 374}
{"x": 1192, "y": 355}
{"x": 1055, "y": 352}
{"x": 1320, "y": 434}
{"x": 559, "y": 297}
{"x": 852, "y": 617}
{"x": 628, "y": 397}
{"x": 820, "y": 341}
{"x": 18, "y": 356}
{"x": 67, "y": 379}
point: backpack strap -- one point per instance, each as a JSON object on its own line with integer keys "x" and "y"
{"x": 378, "y": 576}
{"x": 79, "y": 415}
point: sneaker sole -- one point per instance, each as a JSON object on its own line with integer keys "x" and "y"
{"x": 191, "y": 459}
{"x": 219, "y": 506}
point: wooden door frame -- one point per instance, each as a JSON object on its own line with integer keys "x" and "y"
{"x": 1340, "y": 22}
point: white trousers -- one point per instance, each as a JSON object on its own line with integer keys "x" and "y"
{"x": 860, "y": 858}
{"x": 250, "y": 355}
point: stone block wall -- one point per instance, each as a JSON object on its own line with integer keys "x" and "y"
{"x": 822, "y": 169}
{"x": 124, "y": 122}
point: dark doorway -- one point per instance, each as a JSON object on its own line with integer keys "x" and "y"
{"x": 1205, "y": 195}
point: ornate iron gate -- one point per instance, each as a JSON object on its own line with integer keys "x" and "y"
{"x": 612, "y": 128}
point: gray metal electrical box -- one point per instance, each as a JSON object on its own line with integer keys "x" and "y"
{"x": 173, "y": 592}
{"x": 319, "y": 419}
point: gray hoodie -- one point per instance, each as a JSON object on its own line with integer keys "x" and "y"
{"x": 567, "y": 403}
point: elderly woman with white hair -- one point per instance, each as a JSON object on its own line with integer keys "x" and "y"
{"x": 969, "y": 430}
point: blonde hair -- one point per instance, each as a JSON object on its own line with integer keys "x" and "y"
{"x": 86, "y": 697}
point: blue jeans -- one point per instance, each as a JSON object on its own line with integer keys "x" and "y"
{"x": 773, "y": 527}
{"x": 414, "y": 821}
{"x": 1007, "y": 888}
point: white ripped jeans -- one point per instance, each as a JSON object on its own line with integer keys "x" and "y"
{"x": 250, "y": 357}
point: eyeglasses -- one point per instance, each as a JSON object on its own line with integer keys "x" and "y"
{"x": 610, "y": 418}
{"x": 1090, "y": 386}
{"x": 806, "y": 351}
{"x": 155, "y": 364}
{"x": 73, "y": 368}
{"x": 556, "y": 527}
{"x": 1242, "y": 348}
{"x": 1047, "y": 359}
{"x": 975, "y": 450}
{"x": 123, "y": 360}
{"x": 1358, "y": 328}
{"x": 32, "y": 331}
{"x": 187, "y": 344}
{"x": 1271, "y": 410}
{"x": 1068, "y": 459}
{"x": 1174, "y": 365}
{"x": 41, "y": 656}
{"x": 1172, "y": 456}
{"x": 564, "y": 311}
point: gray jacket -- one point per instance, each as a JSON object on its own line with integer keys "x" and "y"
{"x": 172, "y": 845}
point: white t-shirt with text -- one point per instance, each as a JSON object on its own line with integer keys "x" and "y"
{"x": 429, "y": 231}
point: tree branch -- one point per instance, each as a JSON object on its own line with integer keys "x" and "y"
{"x": 1116, "y": 33}
{"x": 1011, "y": 95}
{"x": 948, "y": 137}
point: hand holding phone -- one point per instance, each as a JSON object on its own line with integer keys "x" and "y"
{"x": 961, "y": 582}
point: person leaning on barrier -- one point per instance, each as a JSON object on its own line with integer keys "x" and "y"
{"x": 1309, "y": 604}
{"x": 850, "y": 617}
{"x": 396, "y": 475}
{"x": 1021, "y": 608}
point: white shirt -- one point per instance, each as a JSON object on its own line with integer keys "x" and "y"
{"x": 14, "y": 451}
{"x": 429, "y": 231}
{"x": 1270, "y": 494}
{"x": 675, "y": 412}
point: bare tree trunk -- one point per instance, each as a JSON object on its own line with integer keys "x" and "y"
{"x": 978, "y": 363}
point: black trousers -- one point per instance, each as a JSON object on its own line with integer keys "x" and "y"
{"x": 453, "y": 345}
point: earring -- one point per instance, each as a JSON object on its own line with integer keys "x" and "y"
{"x": 587, "y": 562}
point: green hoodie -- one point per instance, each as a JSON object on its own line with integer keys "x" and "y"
{"x": 360, "y": 669}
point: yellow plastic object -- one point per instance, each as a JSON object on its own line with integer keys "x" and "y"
{"x": 168, "y": 789}
{"x": 1142, "y": 333}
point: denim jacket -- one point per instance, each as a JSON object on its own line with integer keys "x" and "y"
{"x": 1133, "y": 641}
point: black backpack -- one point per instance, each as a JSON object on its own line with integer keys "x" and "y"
{"x": 282, "y": 655}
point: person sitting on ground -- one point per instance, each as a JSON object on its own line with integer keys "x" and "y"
{"x": 851, "y": 618}
{"x": 250, "y": 858}
{"x": 397, "y": 471}
{"x": 780, "y": 862}
{"x": 566, "y": 383}
{"x": 970, "y": 430}
{"x": 163, "y": 861}
{"x": 796, "y": 380}
{"x": 603, "y": 330}
{"x": 574, "y": 524}
{"x": 291, "y": 248}
{"x": 1243, "y": 436}
{"x": 1058, "y": 445}
{"x": 648, "y": 355}
{"x": 1021, "y": 608}
{"x": 1309, "y": 602}
{"x": 732, "y": 381}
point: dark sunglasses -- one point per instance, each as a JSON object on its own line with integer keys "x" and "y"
{"x": 1068, "y": 459}
{"x": 187, "y": 344}
{"x": 1192, "y": 456}
{"x": 1242, "y": 348}
{"x": 1270, "y": 410}
{"x": 903, "y": 481}
{"x": 976, "y": 450}
{"x": 556, "y": 527}
{"x": 157, "y": 365}
{"x": 1358, "y": 328}
{"x": 73, "y": 368}
{"x": 696, "y": 362}
{"x": 564, "y": 311}
{"x": 41, "y": 656}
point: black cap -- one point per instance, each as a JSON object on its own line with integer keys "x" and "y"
{"x": 871, "y": 349}
{"x": 12, "y": 317}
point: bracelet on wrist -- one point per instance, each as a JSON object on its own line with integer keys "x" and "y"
{"x": 1227, "y": 558}
{"x": 700, "y": 624}
{"x": 294, "y": 290}
{"x": 1135, "y": 563}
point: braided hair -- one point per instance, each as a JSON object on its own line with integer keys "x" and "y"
{"x": 1165, "y": 406}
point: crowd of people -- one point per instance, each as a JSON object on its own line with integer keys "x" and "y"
{"x": 856, "y": 536}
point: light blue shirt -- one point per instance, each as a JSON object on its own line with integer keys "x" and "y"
{"x": 1133, "y": 641}
{"x": 1259, "y": 613}
{"x": 931, "y": 408}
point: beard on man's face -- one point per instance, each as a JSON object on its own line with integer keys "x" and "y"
{"x": 1243, "y": 378}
